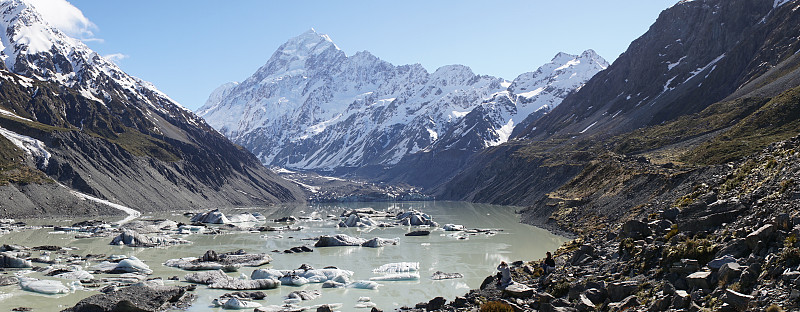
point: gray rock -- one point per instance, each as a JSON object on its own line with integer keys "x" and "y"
{"x": 625, "y": 304}
{"x": 763, "y": 233}
{"x": 701, "y": 279}
{"x": 435, "y": 304}
{"x": 718, "y": 262}
{"x": 518, "y": 290}
{"x": 784, "y": 222}
{"x": 621, "y": 290}
{"x": 681, "y": 300}
{"x": 730, "y": 271}
{"x": 635, "y": 229}
{"x": 597, "y": 296}
{"x": 136, "y": 298}
{"x": 737, "y": 300}
{"x": 737, "y": 248}
{"x": 584, "y": 304}
{"x": 670, "y": 214}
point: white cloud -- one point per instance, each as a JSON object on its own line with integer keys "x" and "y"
{"x": 115, "y": 57}
{"x": 66, "y": 17}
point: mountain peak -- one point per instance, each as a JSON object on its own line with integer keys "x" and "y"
{"x": 306, "y": 44}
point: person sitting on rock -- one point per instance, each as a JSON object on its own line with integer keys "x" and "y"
{"x": 505, "y": 274}
{"x": 549, "y": 264}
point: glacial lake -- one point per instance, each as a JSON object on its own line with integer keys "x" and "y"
{"x": 473, "y": 255}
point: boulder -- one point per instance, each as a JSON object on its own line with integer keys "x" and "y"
{"x": 338, "y": 240}
{"x": 625, "y": 304}
{"x": 518, "y": 290}
{"x": 681, "y": 300}
{"x": 596, "y": 296}
{"x": 763, "y": 233}
{"x": 784, "y": 222}
{"x": 635, "y": 229}
{"x": 718, "y": 262}
{"x": 736, "y": 248}
{"x": 621, "y": 290}
{"x": 435, "y": 304}
{"x": 136, "y": 298}
{"x": 584, "y": 304}
{"x": 730, "y": 271}
{"x": 737, "y": 300}
{"x": 700, "y": 279}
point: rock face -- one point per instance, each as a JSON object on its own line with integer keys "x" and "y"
{"x": 137, "y": 298}
{"x": 666, "y": 73}
{"x": 328, "y": 110}
{"x": 156, "y": 154}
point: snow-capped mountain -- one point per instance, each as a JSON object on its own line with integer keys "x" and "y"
{"x": 113, "y": 135}
{"x": 313, "y": 107}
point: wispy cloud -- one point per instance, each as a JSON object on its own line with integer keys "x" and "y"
{"x": 67, "y": 18}
{"x": 115, "y": 57}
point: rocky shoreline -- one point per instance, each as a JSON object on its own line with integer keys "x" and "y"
{"x": 730, "y": 244}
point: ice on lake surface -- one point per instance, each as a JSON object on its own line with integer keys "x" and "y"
{"x": 475, "y": 255}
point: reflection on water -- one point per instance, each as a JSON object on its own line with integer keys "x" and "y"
{"x": 475, "y": 257}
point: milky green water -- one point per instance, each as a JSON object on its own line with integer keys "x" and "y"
{"x": 475, "y": 257}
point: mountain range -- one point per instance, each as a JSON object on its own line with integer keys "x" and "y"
{"x": 313, "y": 107}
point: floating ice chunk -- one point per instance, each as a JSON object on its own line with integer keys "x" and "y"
{"x": 397, "y": 267}
{"x": 50, "y": 287}
{"x": 397, "y": 277}
{"x": 364, "y": 285}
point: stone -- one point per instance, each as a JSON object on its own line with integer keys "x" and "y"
{"x": 518, "y": 290}
{"x": 324, "y": 308}
{"x": 718, "y": 262}
{"x": 700, "y": 279}
{"x": 419, "y": 233}
{"x": 784, "y": 222}
{"x": 621, "y": 290}
{"x": 136, "y": 298}
{"x": 736, "y": 248}
{"x": 763, "y": 233}
{"x": 670, "y": 214}
{"x": 627, "y": 303}
{"x": 635, "y": 229}
{"x": 584, "y": 304}
{"x": 435, "y": 304}
{"x": 681, "y": 300}
{"x": 737, "y": 300}
{"x": 595, "y": 295}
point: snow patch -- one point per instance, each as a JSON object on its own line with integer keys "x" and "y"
{"x": 587, "y": 128}
{"x": 10, "y": 114}
{"x": 29, "y": 145}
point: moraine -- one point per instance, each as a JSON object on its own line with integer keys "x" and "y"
{"x": 474, "y": 255}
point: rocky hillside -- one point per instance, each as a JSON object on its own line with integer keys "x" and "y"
{"x": 745, "y": 56}
{"x": 72, "y": 120}
{"x": 313, "y": 107}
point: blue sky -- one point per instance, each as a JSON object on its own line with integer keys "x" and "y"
{"x": 188, "y": 48}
